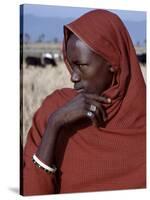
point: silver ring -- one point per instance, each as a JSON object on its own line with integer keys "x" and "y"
{"x": 89, "y": 114}
{"x": 93, "y": 108}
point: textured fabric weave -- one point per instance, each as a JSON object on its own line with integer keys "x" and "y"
{"x": 90, "y": 158}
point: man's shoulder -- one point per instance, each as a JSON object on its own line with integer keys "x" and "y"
{"x": 66, "y": 92}
{"x": 59, "y": 96}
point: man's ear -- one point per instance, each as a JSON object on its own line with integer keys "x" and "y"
{"x": 111, "y": 69}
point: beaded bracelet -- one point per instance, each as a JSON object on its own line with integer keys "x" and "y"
{"x": 43, "y": 166}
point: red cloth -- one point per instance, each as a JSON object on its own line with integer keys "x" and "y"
{"x": 90, "y": 158}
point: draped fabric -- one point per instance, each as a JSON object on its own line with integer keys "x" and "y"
{"x": 89, "y": 158}
{"x": 105, "y": 34}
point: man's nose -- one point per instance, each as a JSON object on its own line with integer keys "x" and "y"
{"x": 75, "y": 77}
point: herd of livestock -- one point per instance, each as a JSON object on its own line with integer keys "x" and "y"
{"x": 44, "y": 60}
{"x": 53, "y": 59}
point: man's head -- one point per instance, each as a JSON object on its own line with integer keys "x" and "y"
{"x": 89, "y": 70}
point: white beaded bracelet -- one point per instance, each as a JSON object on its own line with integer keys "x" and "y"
{"x": 40, "y": 164}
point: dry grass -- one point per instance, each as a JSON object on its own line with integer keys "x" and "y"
{"x": 37, "y": 84}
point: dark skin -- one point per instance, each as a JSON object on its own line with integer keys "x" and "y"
{"x": 89, "y": 70}
{"x": 91, "y": 75}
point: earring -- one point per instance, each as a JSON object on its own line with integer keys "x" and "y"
{"x": 112, "y": 69}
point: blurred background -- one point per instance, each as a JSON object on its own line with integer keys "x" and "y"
{"x": 41, "y": 61}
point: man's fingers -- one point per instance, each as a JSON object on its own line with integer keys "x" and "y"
{"x": 98, "y": 98}
{"x": 96, "y": 113}
{"x": 99, "y": 110}
{"x": 93, "y": 118}
{"x": 103, "y": 113}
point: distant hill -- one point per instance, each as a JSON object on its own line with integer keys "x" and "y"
{"x": 137, "y": 30}
{"x": 52, "y": 28}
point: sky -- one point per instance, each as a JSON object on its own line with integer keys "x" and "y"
{"x": 61, "y": 11}
{"x": 36, "y": 16}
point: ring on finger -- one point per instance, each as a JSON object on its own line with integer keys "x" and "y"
{"x": 93, "y": 108}
{"x": 89, "y": 114}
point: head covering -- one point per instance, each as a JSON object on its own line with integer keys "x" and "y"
{"x": 123, "y": 138}
{"x": 105, "y": 34}
{"x": 89, "y": 158}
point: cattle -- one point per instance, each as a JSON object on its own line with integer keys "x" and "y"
{"x": 142, "y": 58}
{"x": 32, "y": 60}
{"x": 49, "y": 61}
{"x": 48, "y": 58}
{"x": 45, "y": 59}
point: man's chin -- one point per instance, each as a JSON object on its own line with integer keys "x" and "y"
{"x": 92, "y": 92}
{"x": 87, "y": 91}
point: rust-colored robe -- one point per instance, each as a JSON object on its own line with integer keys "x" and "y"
{"x": 89, "y": 158}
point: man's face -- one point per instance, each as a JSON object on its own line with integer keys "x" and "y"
{"x": 90, "y": 72}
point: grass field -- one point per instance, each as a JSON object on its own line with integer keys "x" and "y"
{"x": 40, "y": 82}
{"x": 37, "y": 84}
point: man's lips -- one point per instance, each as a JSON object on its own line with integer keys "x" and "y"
{"x": 79, "y": 90}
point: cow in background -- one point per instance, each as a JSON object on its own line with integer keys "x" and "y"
{"x": 142, "y": 58}
{"x": 45, "y": 59}
{"x": 35, "y": 61}
{"x": 48, "y": 59}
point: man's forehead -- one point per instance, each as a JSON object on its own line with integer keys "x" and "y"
{"x": 74, "y": 40}
{"x": 77, "y": 47}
